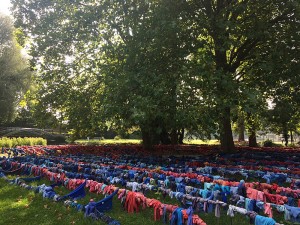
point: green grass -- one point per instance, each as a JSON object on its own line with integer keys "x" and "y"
{"x": 138, "y": 141}
{"x": 200, "y": 142}
{"x": 21, "y": 206}
{"x": 108, "y": 141}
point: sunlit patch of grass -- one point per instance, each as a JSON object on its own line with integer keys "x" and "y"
{"x": 108, "y": 141}
{"x": 137, "y": 141}
{"x": 200, "y": 142}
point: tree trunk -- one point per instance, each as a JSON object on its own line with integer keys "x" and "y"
{"x": 149, "y": 137}
{"x": 226, "y": 137}
{"x": 252, "y": 139}
{"x": 292, "y": 137}
{"x": 174, "y": 137}
{"x": 146, "y": 140}
{"x": 164, "y": 137}
{"x": 286, "y": 138}
{"x": 181, "y": 136}
{"x": 241, "y": 127}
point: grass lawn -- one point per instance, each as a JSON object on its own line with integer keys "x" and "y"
{"x": 108, "y": 141}
{"x": 200, "y": 142}
{"x": 21, "y": 206}
{"x": 137, "y": 141}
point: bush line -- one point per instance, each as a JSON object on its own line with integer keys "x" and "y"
{"x": 29, "y": 141}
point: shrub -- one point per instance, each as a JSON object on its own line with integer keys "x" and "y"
{"x": 13, "y": 142}
{"x": 6, "y": 142}
{"x": 117, "y": 137}
{"x": 26, "y": 141}
{"x": 40, "y": 141}
{"x": 268, "y": 143}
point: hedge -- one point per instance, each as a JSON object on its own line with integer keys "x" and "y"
{"x": 13, "y": 142}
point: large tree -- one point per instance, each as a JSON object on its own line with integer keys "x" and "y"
{"x": 277, "y": 72}
{"x": 148, "y": 81}
{"x": 124, "y": 61}
{"x": 14, "y": 72}
{"x": 235, "y": 34}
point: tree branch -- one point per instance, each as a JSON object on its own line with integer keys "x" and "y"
{"x": 242, "y": 53}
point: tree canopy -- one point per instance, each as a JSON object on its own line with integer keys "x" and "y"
{"x": 14, "y": 71}
{"x": 160, "y": 65}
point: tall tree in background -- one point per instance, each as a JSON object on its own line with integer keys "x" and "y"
{"x": 14, "y": 72}
{"x": 277, "y": 72}
{"x": 234, "y": 33}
